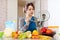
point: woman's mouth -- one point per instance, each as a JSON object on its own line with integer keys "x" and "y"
{"x": 31, "y": 13}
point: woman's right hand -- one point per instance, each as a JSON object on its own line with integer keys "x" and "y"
{"x": 27, "y": 20}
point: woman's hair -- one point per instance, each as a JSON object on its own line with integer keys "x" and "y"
{"x": 27, "y": 5}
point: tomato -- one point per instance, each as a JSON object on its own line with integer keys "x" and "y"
{"x": 49, "y": 31}
{"x": 43, "y": 30}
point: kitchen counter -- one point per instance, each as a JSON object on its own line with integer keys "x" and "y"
{"x": 18, "y": 39}
{"x": 4, "y": 38}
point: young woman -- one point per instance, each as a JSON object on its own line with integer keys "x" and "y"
{"x": 28, "y": 24}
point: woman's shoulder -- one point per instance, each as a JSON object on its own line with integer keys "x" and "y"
{"x": 34, "y": 18}
{"x": 21, "y": 18}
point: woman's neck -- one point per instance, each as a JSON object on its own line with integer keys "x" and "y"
{"x": 28, "y": 17}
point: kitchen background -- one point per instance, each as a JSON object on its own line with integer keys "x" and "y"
{"x": 13, "y": 10}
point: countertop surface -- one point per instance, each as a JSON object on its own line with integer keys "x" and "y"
{"x": 19, "y": 39}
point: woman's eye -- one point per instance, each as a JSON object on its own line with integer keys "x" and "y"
{"x": 29, "y": 9}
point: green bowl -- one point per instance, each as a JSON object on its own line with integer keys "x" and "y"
{"x": 1, "y": 34}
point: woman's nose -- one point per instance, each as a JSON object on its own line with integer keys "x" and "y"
{"x": 31, "y": 10}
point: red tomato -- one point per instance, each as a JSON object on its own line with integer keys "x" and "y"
{"x": 43, "y": 30}
{"x": 49, "y": 31}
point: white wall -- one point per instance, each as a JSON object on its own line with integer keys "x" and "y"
{"x": 37, "y": 8}
{"x": 12, "y": 10}
{"x": 44, "y": 7}
{"x": 54, "y": 10}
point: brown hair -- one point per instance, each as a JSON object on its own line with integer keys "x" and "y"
{"x": 29, "y": 4}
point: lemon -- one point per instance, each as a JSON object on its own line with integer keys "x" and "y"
{"x": 28, "y": 33}
{"x": 35, "y": 32}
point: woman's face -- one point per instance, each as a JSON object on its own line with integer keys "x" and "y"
{"x": 30, "y": 10}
